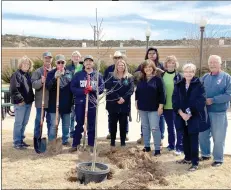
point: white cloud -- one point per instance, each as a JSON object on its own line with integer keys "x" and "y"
{"x": 46, "y": 28}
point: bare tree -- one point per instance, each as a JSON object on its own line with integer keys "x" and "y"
{"x": 98, "y": 100}
{"x": 212, "y": 35}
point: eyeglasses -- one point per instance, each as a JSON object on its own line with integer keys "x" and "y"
{"x": 60, "y": 62}
{"x": 117, "y": 57}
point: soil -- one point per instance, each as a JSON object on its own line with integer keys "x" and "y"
{"x": 130, "y": 168}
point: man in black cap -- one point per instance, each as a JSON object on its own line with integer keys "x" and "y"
{"x": 80, "y": 87}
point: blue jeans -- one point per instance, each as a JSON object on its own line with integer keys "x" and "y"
{"x": 109, "y": 122}
{"x": 72, "y": 124}
{"x": 162, "y": 127}
{"x": 150, "y": 123}
{"x": 175, "y": 138}
{"x": 22, "y": 114}
{"x": 219, "y": 123}
{"x": 65, "y": 127}
{"x": 37, "y": 122}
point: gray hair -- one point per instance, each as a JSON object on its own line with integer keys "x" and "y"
{"x": 190, "y": 66}
{"x": 217, "y": 57}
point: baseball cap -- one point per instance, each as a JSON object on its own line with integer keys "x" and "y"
{"x": 47, "y": 54}
{"x": 88, "y": 57}
{"x": 60, "y": 57}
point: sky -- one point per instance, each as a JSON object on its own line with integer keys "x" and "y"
{"x": 122, "y": 20}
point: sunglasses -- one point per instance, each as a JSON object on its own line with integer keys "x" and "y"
{"x": 117, "y": 57}
{"x": 60, "y": 62}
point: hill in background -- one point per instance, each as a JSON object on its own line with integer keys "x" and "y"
{"x": 30, "y": 41}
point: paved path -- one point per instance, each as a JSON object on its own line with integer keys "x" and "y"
{"x": 134, "y": 127}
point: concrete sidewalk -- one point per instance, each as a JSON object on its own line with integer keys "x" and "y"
{"x": 134, "y": 127}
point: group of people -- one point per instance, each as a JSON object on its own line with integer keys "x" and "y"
{"x": 193, "y": 108}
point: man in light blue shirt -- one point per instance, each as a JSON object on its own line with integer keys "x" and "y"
{"x": 217, "y": 85}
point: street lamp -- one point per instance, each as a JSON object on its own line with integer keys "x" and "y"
{"x": 202, "y": 25}
{"x": 148, "y": 34}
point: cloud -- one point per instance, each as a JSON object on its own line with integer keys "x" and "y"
{"x": 122, "y": 20}
{"x": 71, "y": 31}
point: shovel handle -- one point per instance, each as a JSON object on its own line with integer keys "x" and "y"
{"x": 57, "y": 106}
{"x": 43, "y": 98}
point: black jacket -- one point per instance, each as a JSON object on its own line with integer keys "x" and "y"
{"x": 21, "y": 88}
{"x": 65, "y": 94}
{"x": 194, "y": 99}
{"x": 117, "y": 88}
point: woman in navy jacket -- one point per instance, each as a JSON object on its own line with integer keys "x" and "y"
{"x": 150, "y": 99}
{"x": 120, "y": 87}
{"x": 188, "y": 101}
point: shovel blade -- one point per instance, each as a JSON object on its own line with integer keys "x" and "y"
{"x": 40, "y": 145}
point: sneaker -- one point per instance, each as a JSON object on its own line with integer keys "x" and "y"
{"x": 108, "y": 136}
{"x": 157, "y": 153}
{"x": 183, "y": 161}
{"x": 169, "y": 148}
{"x": 19, "y": 147}
{"x": 146, "y": 149}
{"x": 204, "y": 158}
{"x": 24, "y": 144}
{"x": 72, "y": 149}
{"x": 216, "y": 164}
{"x": 67, "y": 144}
{"x": 127, "y": 138}
{"x": 140, "y": 140}
{"x": 177, "y": 152}
{"x": 123, "y": 144}
{"x": 193, "y": 168}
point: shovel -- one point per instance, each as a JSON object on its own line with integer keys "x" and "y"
{"x": 86, "y": 113}
{"x": 56, "y": 144}
{"x": 40, "y": 144}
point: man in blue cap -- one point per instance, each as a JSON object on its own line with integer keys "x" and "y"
{"x": 80, "y": 89}
{"x": 38, "y": 79}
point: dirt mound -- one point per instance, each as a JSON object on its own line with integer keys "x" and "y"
{"x": 141, "y": 168}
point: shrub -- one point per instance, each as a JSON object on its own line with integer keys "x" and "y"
{"x": 7, "y": 73}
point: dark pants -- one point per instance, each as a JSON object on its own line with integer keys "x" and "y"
{"x": 162, "y": 127}
{"x": 173, "y": 136}
{"x": 191, "y": 146}
{"x": 109, "y": 121}
{"x": 122, "y": 118}
{"x": 80, "y": 114}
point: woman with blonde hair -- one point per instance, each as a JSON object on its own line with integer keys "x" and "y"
{"x": 120, "y": 87}
{"x": 150, "y": 98}
{"x": 22, "y": 96}
{"x": 170, "y": 78}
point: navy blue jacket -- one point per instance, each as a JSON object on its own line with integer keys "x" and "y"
{"x": 117, "y": 88}
{"x": 65, "y": 95}
{"x": 194, "y": 99}
{"x": 150, "y": 94}
{"x": 78, "y": 85}
{"x": 108, "y": 70}
{"x": 21, "y": 88}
